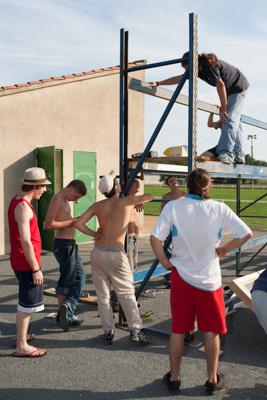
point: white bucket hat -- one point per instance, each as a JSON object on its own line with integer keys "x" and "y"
{"x": 106, "y": 183}
{"x": 35, "y": 176}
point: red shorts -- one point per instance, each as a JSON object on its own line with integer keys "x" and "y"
{"x": 189, "y": 303}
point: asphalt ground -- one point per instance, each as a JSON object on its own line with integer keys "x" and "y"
{"x": 79, "y": 365}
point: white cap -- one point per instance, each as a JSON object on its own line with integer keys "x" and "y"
{"x": 106, "y": 183}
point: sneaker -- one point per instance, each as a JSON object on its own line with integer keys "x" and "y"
{"x": 109, "y": 336}
{"x": 173, "y": 386}
{"x": 114, "y": 302}
{"x": 65, "y": 316}
{"x": 167, "y": 278}
{"x": 225, "y": 159}
{"x": 239, "y": 161}
{"x": 76, "y": 320}
{"x": 221, "y": 384}
{"x": 189, "y": 336}
{"x": 209, "y": 155}
{"x": 140, "y": 337}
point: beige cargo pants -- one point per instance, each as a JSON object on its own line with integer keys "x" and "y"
{"x": 112, "y": 268}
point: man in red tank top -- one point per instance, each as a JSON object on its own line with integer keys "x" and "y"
{"x": 25, "y": 257}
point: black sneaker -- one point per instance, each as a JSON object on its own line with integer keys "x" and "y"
{"x": 140, "y": 337}
{"x": 114, "y": 302}
{"x": 57, "y": 318}
{"x": 76, "y": 320}
{"x": 65, "y": 316}
{"x": 173, "y": 386}
{"x": 109, "y": 336}
{"x": 222, "y": 384}
{"x": 167, "y": 278}
{"x": 189, "y": 336}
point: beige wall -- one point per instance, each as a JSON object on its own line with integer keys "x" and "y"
{"x": 78, "y": 114}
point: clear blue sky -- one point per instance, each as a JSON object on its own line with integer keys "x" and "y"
{"x": 42, "y": 38}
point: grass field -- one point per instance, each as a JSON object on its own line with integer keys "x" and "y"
{"x": 228, "y": 196}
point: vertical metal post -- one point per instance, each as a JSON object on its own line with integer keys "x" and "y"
{"x": 122, "y": 51}
{"x": 157, "y": 130}
{"x": 193, "y": 80}
{"x": 238, "y": 206}
{"x": 125, "y": 144}
{"x": 123, "y": 114}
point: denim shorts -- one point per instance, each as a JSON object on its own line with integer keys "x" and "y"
{"x": 30, "y": 295}
{"x": 70, "y": 264}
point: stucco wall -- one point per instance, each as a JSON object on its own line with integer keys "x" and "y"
{"x": 77, "y": 114}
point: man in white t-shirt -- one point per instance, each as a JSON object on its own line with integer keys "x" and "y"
{"x": 197, "y": 223}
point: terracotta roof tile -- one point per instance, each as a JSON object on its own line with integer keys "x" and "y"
{"x": 18, "y": 85}
{"x": 46, "y": 80}
{"x": 89, "y": 73}
{"x": 34, "y": 82}
{"x": 79, "y": 74}
{"x": 68, "y": 76}
{"x": 10, "y": 87}
{"x": 57, "y": 78}
{"x": 63, "y": 77}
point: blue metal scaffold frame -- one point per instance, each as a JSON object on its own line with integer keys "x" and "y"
{"x": 215, "y": 169}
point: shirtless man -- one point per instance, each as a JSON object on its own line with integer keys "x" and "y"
{"x": 72, "y": 277}
{"x": 110, "y": 264}
{"x": 132, "y": 242}
{"x": 175, "y": 192}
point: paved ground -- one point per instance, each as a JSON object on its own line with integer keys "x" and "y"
{"x": 79, "y": 365}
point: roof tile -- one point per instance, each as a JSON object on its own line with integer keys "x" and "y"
{"x": 63, "y": 77}
{"x": 22, "y": 84}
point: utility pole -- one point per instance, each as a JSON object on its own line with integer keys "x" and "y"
{"x": 251, "y": 138}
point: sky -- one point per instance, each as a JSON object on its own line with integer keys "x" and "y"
{"x": 43, "y": 38}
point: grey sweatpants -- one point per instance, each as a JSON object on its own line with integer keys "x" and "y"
{"x": 112, "y": 268}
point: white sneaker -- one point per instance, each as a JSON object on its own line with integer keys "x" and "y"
{"x": 224, "y": 158}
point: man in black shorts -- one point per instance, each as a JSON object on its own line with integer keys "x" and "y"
{"x": 25, "y": 258}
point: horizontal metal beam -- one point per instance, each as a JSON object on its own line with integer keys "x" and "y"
{"x": 160, "y": 168}
{"x": 253, "y": 122}
{"x": 155, "y": 65}
{"x": 217, "y": 169}
{"x": 162, "y": 172}
{"x": 166, "y": 94}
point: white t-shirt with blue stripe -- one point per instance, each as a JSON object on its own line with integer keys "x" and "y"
{"x": 197, "y": 226}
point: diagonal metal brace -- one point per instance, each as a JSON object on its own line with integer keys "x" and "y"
{"x": 140, "y": 289}
{"x": 156, "y": 131}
